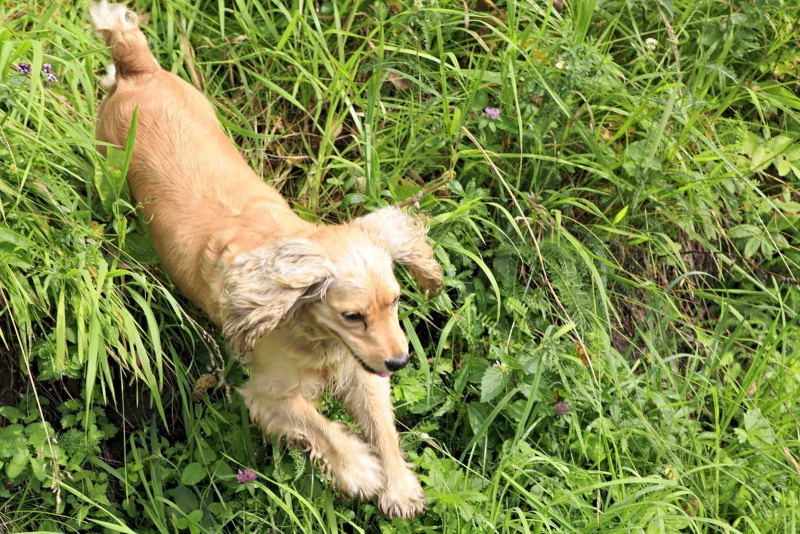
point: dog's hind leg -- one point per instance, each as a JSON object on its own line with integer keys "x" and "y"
{"x": 355, "y": 469}
{"x": 368, "y": 400}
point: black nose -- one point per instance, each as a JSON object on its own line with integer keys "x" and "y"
{"x": 395, "y": 364}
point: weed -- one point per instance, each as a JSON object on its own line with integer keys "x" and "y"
{"x": 614, "y": 194}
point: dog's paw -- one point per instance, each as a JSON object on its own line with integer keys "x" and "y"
{"x": 359, "y": 473}
{"x": 403, "y": 497}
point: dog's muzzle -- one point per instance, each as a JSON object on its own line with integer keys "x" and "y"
{"x": 367, "y": 368}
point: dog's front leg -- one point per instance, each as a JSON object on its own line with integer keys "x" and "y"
{"x": 368, "y": 399}
{"x": 355, "y": 470}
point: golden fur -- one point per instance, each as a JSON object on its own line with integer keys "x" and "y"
{"x": 310, "y": 306}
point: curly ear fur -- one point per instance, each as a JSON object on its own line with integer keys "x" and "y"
{"x": 403, "y": 236}
{"x": 261, "y": 287}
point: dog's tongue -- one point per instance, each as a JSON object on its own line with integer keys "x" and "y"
{"x": 383, "y": 374}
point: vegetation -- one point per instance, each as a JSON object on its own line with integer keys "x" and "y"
{"x": 614, "y": 193}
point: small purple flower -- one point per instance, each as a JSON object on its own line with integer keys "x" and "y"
{"x": 492, "y": 113}
{"x": 50, "y": 79}
{"x": 246, "y": 476}
{"x": 561, "y": 408}
{"x": 24, "y": 68}
{"x": 533, "y": 198}
{"x": 47, "y": 67}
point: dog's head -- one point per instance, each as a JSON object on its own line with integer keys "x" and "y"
{"x": 343, "y": 279}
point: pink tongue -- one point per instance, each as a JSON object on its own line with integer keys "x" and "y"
{"x": 383, "y": 374}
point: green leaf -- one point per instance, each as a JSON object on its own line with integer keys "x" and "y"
{"x": 15, "y": 249}
{"x": 38, "y": 434}
{"x": 477, "y": 414}
{"x": 192, "y": 474}
{"x": 758, "y": 429}
{"x": 744, "y": 231}
{"x": 140, "y": 247}
{"x": 12, "y": 439}
{"x": 196, "y": 516}
{"x": 18, "y": 463}
{"x": 353, "y": 199}
{"x": 493, "y": 382}
{"x": 480, "y": 101}
{"x": 620, "y": 215}
{"x": 184, "y": 498}
{"x": 38, "y": 467}
{"x": 129, "y": 143}
{"x": 11, "y": 413}
{"x": 110, "y": 182}
{"x": 405, "y": 191}
{"x": 7, "y": 236}
{"x": 752, "y": 247}
{"x": 783, "y": 166}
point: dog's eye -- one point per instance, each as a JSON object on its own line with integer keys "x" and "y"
{"x": 395, "y": 301}
{"x": 353, "y": 317}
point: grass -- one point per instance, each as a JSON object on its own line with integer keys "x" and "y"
{"x": 621, "y": 243}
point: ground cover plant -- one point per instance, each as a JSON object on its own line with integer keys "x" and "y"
{"x": 614, "y": 193}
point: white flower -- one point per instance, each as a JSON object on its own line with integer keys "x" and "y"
{"x": 651, "y": 43}
{"x": 503, "y": 367}
{"x": 559, "y": 64}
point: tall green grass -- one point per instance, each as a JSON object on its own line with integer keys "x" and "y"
{"x": 617, "y": 346}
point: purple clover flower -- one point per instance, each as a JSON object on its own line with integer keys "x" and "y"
{"x": 50, "y": 79}
{"x": 492, "y": 113}
{"x": 246, "y": 476}
{"x": 561, "y": 408}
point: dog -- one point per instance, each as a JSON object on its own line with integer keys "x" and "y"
{"x": 309, "y": 306}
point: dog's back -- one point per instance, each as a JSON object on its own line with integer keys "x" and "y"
{"x": 196, "y": 191}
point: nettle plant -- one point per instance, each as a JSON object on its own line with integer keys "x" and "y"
{"x": 35, "y": 457}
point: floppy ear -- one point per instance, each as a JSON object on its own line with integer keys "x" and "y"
{"x": 403, "y": 236}
{"x": 261, "y": 287}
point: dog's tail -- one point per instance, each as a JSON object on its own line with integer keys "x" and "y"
{"x": 129, "y": 50}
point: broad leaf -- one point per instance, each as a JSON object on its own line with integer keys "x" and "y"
{"x": 493, "y": 382}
